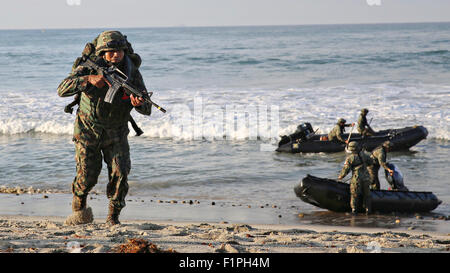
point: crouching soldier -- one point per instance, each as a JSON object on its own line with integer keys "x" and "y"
{"x": 363, "y": 126}
{"x": 338, "y": 131}
{"x": 379, "y": 159}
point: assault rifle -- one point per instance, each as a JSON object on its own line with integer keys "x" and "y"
{"x": 118, "y": 80}
{"x": 76, "y": 101}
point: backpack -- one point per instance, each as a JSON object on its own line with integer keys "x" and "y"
{"x": 89, "y": 51}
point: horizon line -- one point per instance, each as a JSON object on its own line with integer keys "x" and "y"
{"x": 225, "y": 26}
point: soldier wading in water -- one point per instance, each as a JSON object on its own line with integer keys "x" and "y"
{"x": 358, "y": 162}
{"x": 102, "y": 128}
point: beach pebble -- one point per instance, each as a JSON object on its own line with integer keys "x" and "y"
{"x": 353, "y": 249}
{"x": 101, "y": 249}
{"x": 150, "y": 226}
{"x": 240, "y": 228}
{"x": 227, "y": 248}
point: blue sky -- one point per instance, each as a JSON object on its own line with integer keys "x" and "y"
{"x": 42, "y": 14}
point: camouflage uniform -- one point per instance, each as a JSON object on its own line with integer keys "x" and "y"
{"x": 379, "y": 159}
{"x": 102, "y": 128}
{"x": 363, "y": 126}
{"x": 357, "y": 162}
{"x": 338, "y": 130}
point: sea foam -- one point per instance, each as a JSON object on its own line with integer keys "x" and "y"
{"x": 217, "y": 114}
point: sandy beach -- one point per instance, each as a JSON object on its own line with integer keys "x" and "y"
{"x": 34, "y": 223}
{"x": 31, "y": 234}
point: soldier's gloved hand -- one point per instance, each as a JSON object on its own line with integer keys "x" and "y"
{"x": 97, "y": 80}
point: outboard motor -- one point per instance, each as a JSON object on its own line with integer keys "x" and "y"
{"x": 395, "y": 180}
{"x": 304, "y": 132}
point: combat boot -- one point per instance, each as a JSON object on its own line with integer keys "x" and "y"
{"x": 79, "y": 202}
{"x": 81, "y": 214}
{"x": 113, "y": 215}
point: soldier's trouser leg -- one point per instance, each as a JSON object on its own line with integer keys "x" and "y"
{"x": 365, "y": 189}
{"x": 117, "y": 157}
{"x": 355, "y": 194}
{"x": 375, "y": 182}
{"x": 89, "y": 165}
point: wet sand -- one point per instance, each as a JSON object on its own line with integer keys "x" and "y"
{"x": 33, "y": 223}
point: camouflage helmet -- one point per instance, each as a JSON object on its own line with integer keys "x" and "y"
{"x": 341, "y": 120}
{"x": 364, "y": 110}
{"x": 110, "y": 40}
{"x": 352, "y": 146}
{"x": 388, "y": 144}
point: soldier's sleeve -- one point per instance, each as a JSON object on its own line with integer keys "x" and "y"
{"x": 146, "y": 107}
{"x": 346, "y": 169}
{"x": 381, "y": 156}
{"x": 75, "y": 83}
{"x": 339, "y": 136}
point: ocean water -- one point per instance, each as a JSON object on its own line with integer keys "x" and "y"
{"x": 272, "y": 77}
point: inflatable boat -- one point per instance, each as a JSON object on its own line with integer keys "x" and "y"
{"x": 335, "y": 196}
{"x": 306, "y": 141}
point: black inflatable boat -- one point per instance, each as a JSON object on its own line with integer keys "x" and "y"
{"x": 305, "y": 141}
{"x": 335, "y": 196}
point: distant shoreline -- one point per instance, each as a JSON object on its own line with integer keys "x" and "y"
{"x": 225, "y": 26}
